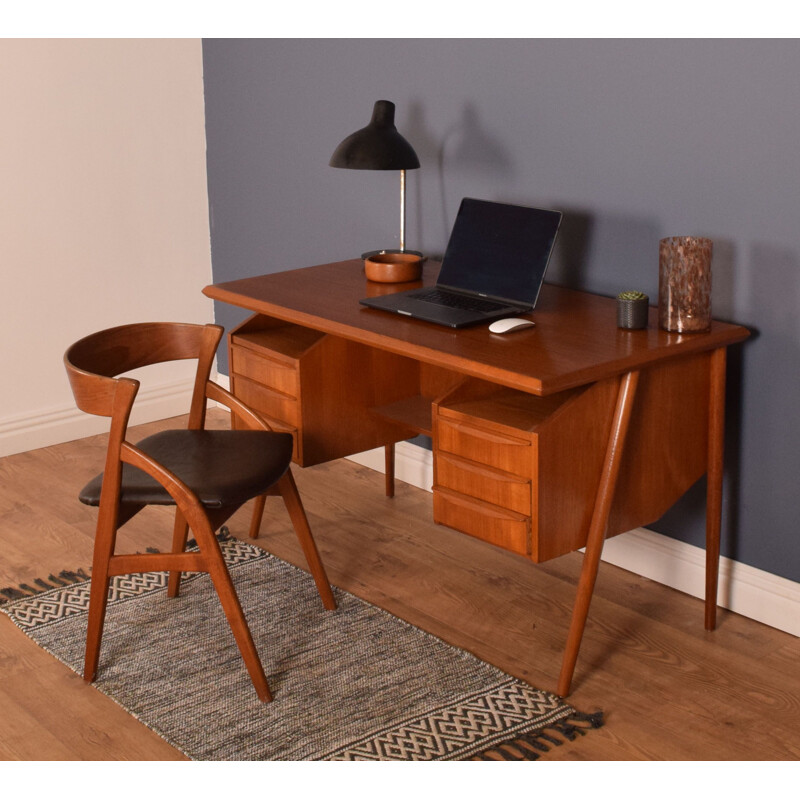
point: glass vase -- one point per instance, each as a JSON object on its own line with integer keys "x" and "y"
{"x": 684, "y": 284}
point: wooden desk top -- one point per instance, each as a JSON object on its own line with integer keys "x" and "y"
{"x": 575, "y": 341}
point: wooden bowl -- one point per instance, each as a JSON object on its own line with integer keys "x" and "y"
{"x": 393, "y": 267}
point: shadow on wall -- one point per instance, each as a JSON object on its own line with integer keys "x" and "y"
{"x": 466, "y": 150}
{"x": 426, "y": 145}
{"x": 608, "y": 254}
{"x": 762, "y": 443}
{"x": 772, "y": 364}
{"x": 723, "y": 300}
{"x": 723, "y": 280}
{"x": 605, "y": 254}
{"x": 599, "y": 253}
{"x": 569, "y": 260}
{"x": 686, "y": 519}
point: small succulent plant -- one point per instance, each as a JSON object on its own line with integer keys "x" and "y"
{"x": 632, "y": 295}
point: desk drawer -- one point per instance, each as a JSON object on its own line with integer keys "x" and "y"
{"x": 266, "y": 371}
{"x": 484, "y": 483}
{"x": 273, "y": 404}
{"x": 485, "y": 521}
{"x": 484, "y": 446}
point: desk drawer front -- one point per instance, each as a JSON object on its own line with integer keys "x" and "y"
{"x": 266, "y": 371}
{"x": 273, "y": 404}
{"x": 486, "y": 447}
{"x": 484, "y": 483}
{"x": 484, "y": 521}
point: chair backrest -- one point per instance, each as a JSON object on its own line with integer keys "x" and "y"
{"x": 94, "y": 362}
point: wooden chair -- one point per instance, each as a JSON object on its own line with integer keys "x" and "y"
{"x": 207, "y": 474}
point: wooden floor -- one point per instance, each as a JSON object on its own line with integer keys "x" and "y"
{"x": 669, "y": 690}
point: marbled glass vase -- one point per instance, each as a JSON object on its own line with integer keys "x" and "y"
{"x": 684, "y": 284}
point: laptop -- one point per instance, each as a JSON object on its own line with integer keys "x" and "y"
{"x": 493, "y": 267}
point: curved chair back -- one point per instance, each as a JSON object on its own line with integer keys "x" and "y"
{"x": 93, "y": 362}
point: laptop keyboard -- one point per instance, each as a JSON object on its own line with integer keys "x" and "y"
{"x": 460, "y": 301}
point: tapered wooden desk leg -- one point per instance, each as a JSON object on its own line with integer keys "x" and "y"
{"x": 716, "y": 447}
{"x": 597, "y": 527}
{"x": 389, "y": 455}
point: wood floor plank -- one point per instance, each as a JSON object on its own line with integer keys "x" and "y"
{"x": 669, "y": 689}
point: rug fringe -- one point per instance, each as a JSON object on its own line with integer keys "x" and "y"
{"x": 529, "y": 746}
{"x": 64, "y": 578}
{"x": 68, "y": 577}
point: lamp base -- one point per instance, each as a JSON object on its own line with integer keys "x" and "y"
{"x": 392, "y": 252}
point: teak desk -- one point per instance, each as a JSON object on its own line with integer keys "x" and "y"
{"x": 545, "y": 440}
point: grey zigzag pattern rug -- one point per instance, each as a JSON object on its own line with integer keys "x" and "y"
{"x": 353, "y": 684}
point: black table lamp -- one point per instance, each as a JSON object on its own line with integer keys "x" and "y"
{"x": 380, "y": 146}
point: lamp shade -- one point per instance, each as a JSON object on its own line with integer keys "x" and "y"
{"x": 378, "y": 146}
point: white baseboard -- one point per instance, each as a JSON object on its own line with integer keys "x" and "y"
{"x": 43, "y": 428}
{"x": 748, "y": 591}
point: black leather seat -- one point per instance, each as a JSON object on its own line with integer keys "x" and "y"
{"x": 223, "y": 468}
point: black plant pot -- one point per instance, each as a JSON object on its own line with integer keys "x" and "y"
{"x": 632, "y": 314}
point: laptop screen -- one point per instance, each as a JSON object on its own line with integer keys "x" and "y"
{"x": 499, "y": 250}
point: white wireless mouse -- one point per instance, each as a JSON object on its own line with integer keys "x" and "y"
{"x": 510, "y": 324}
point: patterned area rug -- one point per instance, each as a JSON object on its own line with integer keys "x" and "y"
{"x": 350, "y": 685}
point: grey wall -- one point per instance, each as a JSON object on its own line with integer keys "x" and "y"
{"x": 632, "y": 140}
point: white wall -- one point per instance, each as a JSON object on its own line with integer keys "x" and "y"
{"x": 103, "y": 215}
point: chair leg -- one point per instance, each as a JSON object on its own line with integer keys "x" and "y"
{"x": 98, "y": 600}
{"x": 389, "y": 459}
{"x": 258, "y": 513}
{"x": 229, "y": 600}
{"x": 98, "y": 594}
{"x": 294, "y": 505}
{"x": 180, "y": 533}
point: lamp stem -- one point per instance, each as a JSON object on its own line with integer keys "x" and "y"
{"x": 402, "y": 209}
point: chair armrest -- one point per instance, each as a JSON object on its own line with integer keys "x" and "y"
{"x": 246, "y": 414}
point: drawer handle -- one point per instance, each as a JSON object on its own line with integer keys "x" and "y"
{"x": 480, "y": 433}
{"x": 482, "y": 507}
{"x": 499, "y": 476}
{"x": 247, "y": 358}
{"x": 264, "y": 389}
